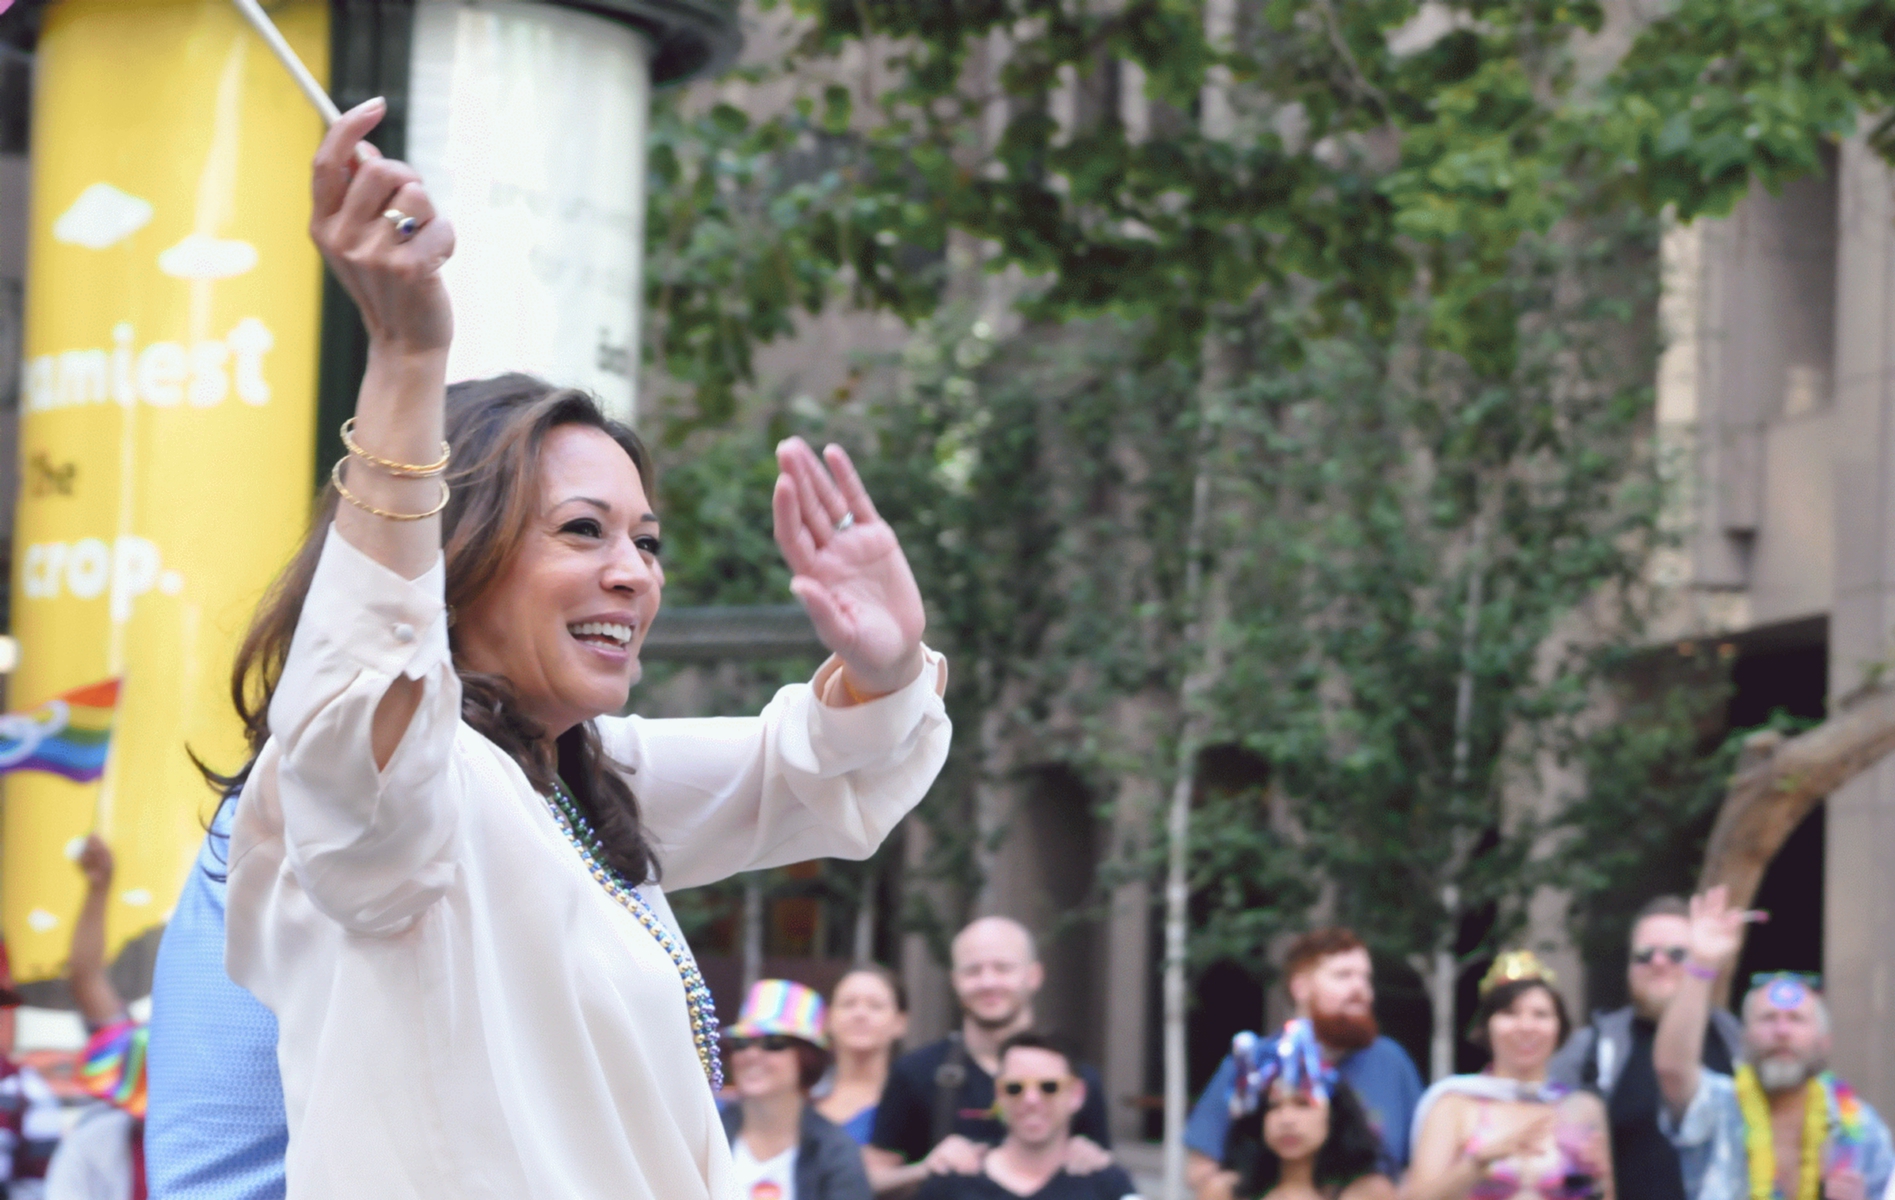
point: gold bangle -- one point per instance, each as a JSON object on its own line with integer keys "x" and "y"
{"x": 399, "y": 470}
{"x": 335, "y": 477}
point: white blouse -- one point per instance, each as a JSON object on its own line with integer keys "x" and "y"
{"x": 463, "y": 1012}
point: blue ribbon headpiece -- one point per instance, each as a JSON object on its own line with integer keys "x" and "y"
{"x": 1294, "y": 1059}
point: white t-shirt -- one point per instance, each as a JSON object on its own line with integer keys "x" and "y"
{"x": 766, "y": 1179}
{"x": 94, "y": 1161}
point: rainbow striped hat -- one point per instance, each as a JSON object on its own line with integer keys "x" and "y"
{"x": 781, "y": 1006}
{"x": 112, "y": 1067}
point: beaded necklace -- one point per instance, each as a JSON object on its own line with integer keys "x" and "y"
{"x": 1760, "y": 1143}
{"x": 697, "y": 997}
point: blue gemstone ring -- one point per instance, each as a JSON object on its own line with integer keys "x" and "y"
{"x": 404, "y": 224}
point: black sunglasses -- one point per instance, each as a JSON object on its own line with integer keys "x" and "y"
{"x": 1017, "y": 1087}
{"x": 769, "y": 1041}
{"x": 1644, "y": 956}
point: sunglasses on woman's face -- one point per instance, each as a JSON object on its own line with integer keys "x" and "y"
{"x": 769, "y": 1041}
{"x": 1018, "y": 1087}
{"x": 1644, "y": 956}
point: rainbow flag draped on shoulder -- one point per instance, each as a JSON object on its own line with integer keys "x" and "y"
{"x": 67, "y": 735}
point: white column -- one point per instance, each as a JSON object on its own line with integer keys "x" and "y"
{"x": 528, "y": 122}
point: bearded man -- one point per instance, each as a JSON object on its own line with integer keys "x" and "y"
{"x": 1332, "y": 985}
{"x": 1784, "y": 1126}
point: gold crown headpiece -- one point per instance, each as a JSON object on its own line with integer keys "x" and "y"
{"x": 1514, "y": 966}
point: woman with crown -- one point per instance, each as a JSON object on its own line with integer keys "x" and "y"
{"x": 1507, "y": 1133}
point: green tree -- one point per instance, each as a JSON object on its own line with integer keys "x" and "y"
{"x": 1366, "y": 286}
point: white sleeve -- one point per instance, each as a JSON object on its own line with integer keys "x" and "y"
{"x": 370, "y": 848}
{"x": 802, "y": 780}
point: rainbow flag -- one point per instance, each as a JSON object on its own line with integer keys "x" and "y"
{"x": 68, "y": 735}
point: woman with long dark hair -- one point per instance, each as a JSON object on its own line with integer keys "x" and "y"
{"x": 444, "y": 873}
{"x": 1297, "y": 1131}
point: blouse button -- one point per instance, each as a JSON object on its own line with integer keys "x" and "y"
{"x": 404, "y": 632}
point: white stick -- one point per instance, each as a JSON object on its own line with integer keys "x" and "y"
{"x": 273, "y": 37}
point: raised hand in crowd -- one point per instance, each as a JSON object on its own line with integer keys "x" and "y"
{"x": 99, "y": 1002}
{"x": 1717, "y": 929}
{"x": 1716, "y": 935}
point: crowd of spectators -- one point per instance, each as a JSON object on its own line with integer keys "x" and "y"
{"x": 1667, "y": 1098}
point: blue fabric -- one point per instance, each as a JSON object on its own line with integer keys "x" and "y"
{"x": 1381, "y": 1074}
{"x": 1710, "y": 1141}
{"x": 861, "y": 1126}
{"x": 216, "y": 1129}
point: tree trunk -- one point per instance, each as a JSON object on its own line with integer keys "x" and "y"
{"x": 1215, "y": 121}
{"x": 1780, "y": 779}
{"x": 1444, "y": 967}
{"x": 1178, "y": 819}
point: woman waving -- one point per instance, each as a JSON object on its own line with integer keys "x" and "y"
{"x": 446, "y": 861}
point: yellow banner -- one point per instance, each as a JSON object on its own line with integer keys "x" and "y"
{"x": 166, "y": 431}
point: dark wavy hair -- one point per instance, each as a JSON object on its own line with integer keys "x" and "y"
{"x": 1501, "y": 998}
{"x": 1351, "y": 1151}
{"x": 495, "y": 429}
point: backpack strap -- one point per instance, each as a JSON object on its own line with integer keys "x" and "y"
{"x": 948, "y": 1078}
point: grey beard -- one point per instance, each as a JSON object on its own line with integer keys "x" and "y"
{"x": 1783, "y": 1074}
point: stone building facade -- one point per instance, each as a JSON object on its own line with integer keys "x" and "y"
{"x": 1776, "y": 398}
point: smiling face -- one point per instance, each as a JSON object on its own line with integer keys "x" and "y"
{"x": 996, "y": 973}
{"x": 761, "y": 1074}
{"x": 1037, "y": 1095}
{"x": 1524, "y": 1034}
{"x": 564, "y": 620}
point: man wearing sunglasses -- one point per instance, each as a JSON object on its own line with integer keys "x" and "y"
{"x": 1037, "y": 1094}
{"x": 936, "y": 1112}
{"x": 1784, "y": 1124}
{"x": 1614, "y": 1054}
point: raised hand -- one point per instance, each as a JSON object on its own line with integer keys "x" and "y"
{"x": 1717, "y": 929}
{"x": 395, "y": 280}
{"x": 95, "y": 862}
{"x": 850, "y": 572}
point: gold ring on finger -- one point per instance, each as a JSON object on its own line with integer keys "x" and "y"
{"x": 405, "y": 225}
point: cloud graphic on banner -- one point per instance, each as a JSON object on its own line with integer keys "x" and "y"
{"x": 202, "y": 257}
{"x": 102, "y": 216}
